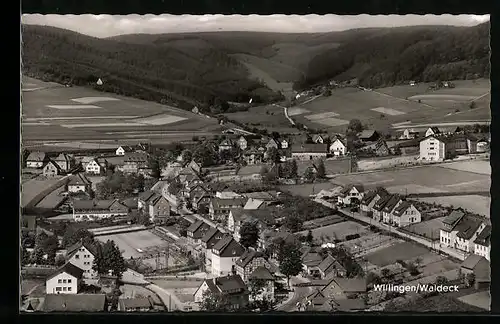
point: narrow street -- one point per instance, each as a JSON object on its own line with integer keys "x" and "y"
{"x": 298, "y": 295}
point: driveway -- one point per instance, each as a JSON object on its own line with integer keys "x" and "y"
{"x": 299, "y": 294}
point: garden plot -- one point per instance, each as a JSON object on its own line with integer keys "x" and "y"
{"x": 401, "y": 251}
{"x": 472, "y": 203}
{"x": 449, "y": 97}
{"x": 428, "y": 229}
{"x": 321, "y": 116}
{"x": 480, "y": 299}
{"x": 91, "y": 100}
{"x": 388, "y": 111}
{"x": 450, "y": 275}
{"x": 295, "y": 111}
{"x": 337, "y": 231}
{"x": 63, "y": 107}
{"x": 439, "y": 267}
{"x": 476, "y": 166}
{"x": 332, "y": 122}
{"x": 369, "y": 243}
{"x": 162, "y": 119}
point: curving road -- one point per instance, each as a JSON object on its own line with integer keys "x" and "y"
{"x": 298, "y": 295}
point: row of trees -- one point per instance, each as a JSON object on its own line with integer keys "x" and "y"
{"x": 119, "y": 185}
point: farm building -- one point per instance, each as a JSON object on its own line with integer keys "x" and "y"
{"x": 409, "y": 133}
{"x": 351, "y": 194}
{"x": 75, "y": 303}
{"x": 155, "y": 205}
{"x": 36, "y": 160}
{"x": 309, "y": 151}
{"x": 64, "y": 161}
{"x": 369, "y": 136}
{"x": 318, "y": 139}
{"x": 96, "y": 166}
{"x": 51, "y": 169}
{"x": 65, "y": 280}
{"x": 231, "y": 287}
{"x": 225, "y": 253}
{"x": 79, "y": 182}
{"x": 432, "y": 131}
{"x": 338, "y": 147}
{"x": 225, "y": 145}
{"x": 144, "y": 304}
{"x": 439, "y": 148}
{"x": 249, "y": 262}
{"x": 482, "y": 243}
{"x": 380, "y": 148}
{"x": 460, "y": 230}
{"x": 122, "y": 150}
{"x": 477, "y": 265}
{"x": 98, "y": 209}
{"x": 242, "y": 143}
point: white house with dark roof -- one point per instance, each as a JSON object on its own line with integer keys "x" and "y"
{"x": 36, "y": 160}
{"x": 225, "y": 253}
{"x": 338, "y": 147}
{"x": 318, "y": 139}
{"x": 231, "y": 288}
{"x": 98, "y": 209}
{"x": 394, "y": 201}
{"x": 51, "y": 169}
{"x": 432, "y": 131}
{"x": 351, "y": 194}
{"x": 250, "y": 261}
{"x": 242, "y": 143}
{"x": 96, "y": 166}
{"x": 79, "y": 183}
{"x": 122, "y": 150}
{"x": 264, "y": 275}
{"x": 370, "y": 199}
{"x": 155, "y": 205}
{"x": 196, "y": 231}
{"x": 225, "y": 145}
{"x": 65, "y": 280}
{"x": 284, "y": 143}
{"x": 405, "y": 214}
{"x": 460, "y": 230}
{"x": 82, "y": 255}
{"x": 211, "y": 237}
{"x": 482, "y": 243}
{"x": 136, "y": 163}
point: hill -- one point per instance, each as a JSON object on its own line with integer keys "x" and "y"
{"x": 394, "y": 56}
{"x": 187, "y": 75}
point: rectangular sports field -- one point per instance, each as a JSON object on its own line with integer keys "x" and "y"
{"x": 128, "y": 243}
{"x": 337, "y": 231}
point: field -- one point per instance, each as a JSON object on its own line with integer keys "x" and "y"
{"x": 31, "y": 188}
{"x": 429, "y": 229}
{"x": 332, "y": 166}
{"x": 480, "y": 299}
{"x": 369, "y": 243}
{"x": 420, "y": 179}
{"x": 473, "y": 203}
{"x": 55, "y": 112}
{"x": 130, "y": 242}
{"x": 52, "y": 200}
{"x": 476, "y": 166}
{"x": 336, "y": 231}
{"x": 134, "y": 291}
{"x": 402, "y": 251}
{"x": 32, "y": 286}
{"x": 183, "y": 289}
{"x": 271, "y": 118}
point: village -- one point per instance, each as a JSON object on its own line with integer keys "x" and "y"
{"x": 214, "y": 224}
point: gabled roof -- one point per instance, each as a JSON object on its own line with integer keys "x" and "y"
{"x": 435, "y": 130}
{"x": 348, "y": 285}
{"x": 146, "y": 195}
{"x": 210, "y": 234}
{"x": 95, "y": 205}
{"x": 248, "y": 256}
{"x": 54, "y": 164}
{"x": 391, "y": 203}
{"x": 380, "y": 204}
{"x": 74, "y": 303}
{"x": 370, "y": 195}
{"x": 70, "y": 251}
{"x": 36, "y": 157}
{"x": 198, "y": 226}
{"x": 348, "y": 188}
{"x": 261, "y": 273}
{"x": 136, "y": 157}
{"x": 254, "y": 203}
{"x": 63, "y": 157}
{"x": 309, "y": 148}
{"x": 226, "y": 142}
{"x": 472, "y": 261}
{"x": 228, "y": 247}
{"x": 328, "y": 264}
{"x": 69, "y": 269}
{"x": 260, "y": 215}
{"x": 135, "y": 303}
{"x": 79, "y": 179}
{"x": 317, "y": 298}
{"x": 312, "y": 259}
{"x": 467, "y": 227}
{"x": 453, "y": 218}
{"x": 400, "y": 210}
{"x": 220, "y": 203}
{"x": 367, "y": 133}
{"x": 484, "y": 237}
{"x": 339, "y": 140}
{"x": 230, "y": 284}
{"x": 316, "y": 137}
{"x": 126, "y": 148}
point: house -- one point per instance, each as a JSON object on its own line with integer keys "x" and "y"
{"x": 253, "y": 156}
{"x": 432, "y": 148}
{"x": 318, "y": 139}
{"x": 254, "y": 204}
{"x": 379, "y": 205}
{"x": 457, "y": 144}
{"x": 96, "y": 166}
{"x": 226, "y": 144}
{"x": 84, "y": 161}
{"x": 122, "y": 150}
{"x": 135, "y": 304}
{"x": 412, "y": 83}
{"x": 36, "y": 160}
{"x": 79, "y": 183}
{"x": 65, "y": 280}
{"x": 98, "y": 209}
{"x": 82, "y": 255}
{"x": 310, "y": 263}
{"x": 343, "y": 288}
{"x": 196, "y": 231}
{"x": 482, "y": 145}
{"x": 318, "y": 301}
{"x": 369, "y": 136}
{"x": 208, "y": 241}
{"x": 249, "y": 262}
{"x": 284, "y": 143}
{"x": 338, "y": 147}
{"x": 409, "y": 133}
{"x": 370, "y": 199}
{"x": 155, "y": 205}
{"x": 225, "y": 253}
{"x": 219, "y": 208}
{"x": 381, "y": 148}
{"x": 351, "y": 194}
{"x": 405, "y": 214}
{"x": 460, "y": 230}
{"x": 75, "y": 303}
{"x": 51, "y": 169}
{"x": 331, "y": 267}
{"x": 64, "y": 161}
{"x": 477, "y": 265}
{"x": 394, "y": 201}
{"x": 482, "y": 243}
{"x": 432, "y": 131}
{"x": 267, "y": 279}
{"x": 309, "y": 151}
{"x": 272, "y": 143}
{"x": 136, "y": 163}
{"x": 242, "y": 143}
{"x": 238, "y": 216}
{"x": 231, "y": 288}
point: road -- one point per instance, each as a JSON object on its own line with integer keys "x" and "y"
{"x": 299, "y": 294}
{"x": 429, "y": 244}
{"x": 168, "y": 299}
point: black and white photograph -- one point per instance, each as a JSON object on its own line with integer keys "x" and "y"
{"x": 255, "y": 163}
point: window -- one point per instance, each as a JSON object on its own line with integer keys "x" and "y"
{"x": 69, "y": 288}
{"x": 69, "y": 280}
{"x": 65, "y": 288}
{"x": 59, "y": 281}
{"x": 58, "y": 288}
{"x": 64, "y": 281}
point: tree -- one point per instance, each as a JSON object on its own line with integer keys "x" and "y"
{"x": 109, "y": 257}
{"x": 309, "y": 175}
{"x": 204, "y": 155}
{"x": 256, "y": 286}
{"x": 441, "y": 280}
{"x": 320, "y": 171}
{"x": 385, "y": 272}
{"x": 293, "y": 223}
{"x": 273, "y": 155}
{"x": 470, "y": 279}
{"x": 373, "y": 279}
{"x": 249, "y": 234}
{"x": 25, "y": 256}
{"x": 309, "y": 237}
{"x": 327, "y": 93}
{"x": 289, "y": 258}
{"x": 71, "y": 237}
{"x": 59, "y": 261}
{"x": 49, "y": 247}
{"x": 309, "y": 139}
{"x": 155, "y": 169}
{"x": 355, "y": 125}
{"x": 212, "y": 302}
{"x": 186, "y": 155}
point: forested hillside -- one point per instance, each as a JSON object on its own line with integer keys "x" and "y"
{"x": 401, "y": 54}
{"x": 159, "y": 73}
